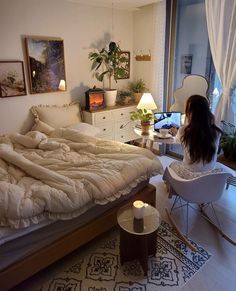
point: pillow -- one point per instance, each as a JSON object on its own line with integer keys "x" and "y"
{"x": 58, "y": 116}
{"x": 86, "y": 128}
{"x": 42, "y": 126}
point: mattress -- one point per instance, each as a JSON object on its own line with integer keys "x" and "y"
{"x": 25, "y": 245}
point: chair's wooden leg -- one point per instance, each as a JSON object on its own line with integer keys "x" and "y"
{"x": 180, "y": 235}
{"x": 217, "y": 228}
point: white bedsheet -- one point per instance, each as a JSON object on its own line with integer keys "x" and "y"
{"x": 58, "y": 176}
{"x": 7, "y": 234}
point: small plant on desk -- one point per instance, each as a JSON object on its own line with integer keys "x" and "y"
{"x": 145, "y": 118}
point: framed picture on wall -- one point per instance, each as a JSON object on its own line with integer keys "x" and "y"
{"x": 125, "y": 60}
{"x": 12, "y": 79}
{"x": 46, "y": 64}
{"x": 186, "y": 64}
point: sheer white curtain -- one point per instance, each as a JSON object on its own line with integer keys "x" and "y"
{"x": 221, "y": 24}
{"x": 157, "y": 82}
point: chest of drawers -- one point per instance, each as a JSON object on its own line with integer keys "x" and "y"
{"x": 114, "y": 122}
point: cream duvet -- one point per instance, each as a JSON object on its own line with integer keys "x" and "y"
{"x": 60, "y": 176}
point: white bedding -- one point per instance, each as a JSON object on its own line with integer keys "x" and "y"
{"x": 57, "y": 177}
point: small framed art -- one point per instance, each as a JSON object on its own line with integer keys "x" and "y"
{"x": 12, "y": 79}
{"x": 46, "y": 64}
{"x": 125, "y": 59}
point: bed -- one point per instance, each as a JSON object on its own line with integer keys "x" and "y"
{"x": 69, "y": 185}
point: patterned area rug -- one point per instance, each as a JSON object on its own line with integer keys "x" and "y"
{"x": 96, "y": 267}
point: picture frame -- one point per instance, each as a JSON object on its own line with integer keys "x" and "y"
{"x": 125, "y": 64}
{"x": 186, "y": 64}
{"x": 12, "y": 79}
{"x": 46, "y": 64}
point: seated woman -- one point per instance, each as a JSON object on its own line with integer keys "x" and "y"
{"x": 200, "y": 140}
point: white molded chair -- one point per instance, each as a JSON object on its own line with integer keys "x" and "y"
{"x": 203, "y": 191}
{"x": 192, "y": 85}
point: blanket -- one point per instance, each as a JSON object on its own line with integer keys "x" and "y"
{"x": 61, "y": 176}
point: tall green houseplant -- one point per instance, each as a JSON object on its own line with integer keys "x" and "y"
{"x": 109, "y": 62}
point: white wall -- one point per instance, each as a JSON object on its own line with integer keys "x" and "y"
{"x": 82, "y": 27}
{"x": 149, "y": 37}
{"x": 143, "y": 41}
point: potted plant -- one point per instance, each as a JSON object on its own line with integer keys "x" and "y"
{"x": 111, "y": 63}
{"x": 228, "y": 144}
{"x": 145, "y": 118}
{"x": 124, "y": 97}
{"x": 138, "y": 88}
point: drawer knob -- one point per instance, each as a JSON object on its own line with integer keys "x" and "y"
{"x": 104, "y": 129}
{"x": 122, "y": 136}
{"x": 122, "y": 114}
{"x": 104, "y": 117}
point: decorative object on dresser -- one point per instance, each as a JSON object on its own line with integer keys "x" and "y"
{"x": 138, "y": 88}
{"x": 12, "y": 79}
{"x": 114, "y": 122}
{"x": 94, "y": 99}
{"x": 46, "y": 64}
{"x": 144, "y": 112}
{"x": 124, "y": 97}
{"x": 111, "y": 62}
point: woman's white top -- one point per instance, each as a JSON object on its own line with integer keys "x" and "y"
{"x": 199, "y": 166}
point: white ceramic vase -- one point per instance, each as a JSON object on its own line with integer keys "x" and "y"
{"x": 110, "y": 97}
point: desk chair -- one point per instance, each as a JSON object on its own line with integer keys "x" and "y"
{"x": 203, "y": 191}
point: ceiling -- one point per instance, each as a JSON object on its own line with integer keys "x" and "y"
{"x": 117, "y": 4}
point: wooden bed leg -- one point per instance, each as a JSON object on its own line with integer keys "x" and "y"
{"x": 180, "y": 235}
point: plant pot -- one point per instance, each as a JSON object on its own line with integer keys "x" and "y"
{"x": 110, "y": 97}
{"x": 137, "y": 97}
{"x": 145, "y": 127}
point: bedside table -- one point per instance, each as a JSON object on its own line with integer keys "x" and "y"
{"x": 135, "y": 244}
{"x": 114, "y": 122}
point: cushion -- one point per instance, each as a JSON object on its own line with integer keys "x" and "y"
{"x": 186, "y": 174}
{"x": 42, "y": 126}
{"x": 86, "y": 128}
{"x": 58, "y": 116}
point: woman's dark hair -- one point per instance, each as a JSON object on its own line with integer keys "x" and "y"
{"x": 201, "y": 133}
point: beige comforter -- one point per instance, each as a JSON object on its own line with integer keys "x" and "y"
{"x": 62, "y": 175}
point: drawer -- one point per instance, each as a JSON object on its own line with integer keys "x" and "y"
{"x": 106, "y": 128}
{"x": 106, "y": 136}
{"x": 123, "y": 113}
{"x": 122, "y": 136}
{"x": 104, "y": 116}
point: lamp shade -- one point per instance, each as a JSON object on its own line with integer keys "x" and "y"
{"x": 147, "y": 102}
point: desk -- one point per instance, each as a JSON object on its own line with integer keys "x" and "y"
{"x": 152, "y": 137}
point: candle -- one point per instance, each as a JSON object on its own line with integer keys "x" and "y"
{"x": 62, "y": 85}
{"x": 138, "y": 209}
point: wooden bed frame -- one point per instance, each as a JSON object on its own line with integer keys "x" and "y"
{"x": 30, "y": 265}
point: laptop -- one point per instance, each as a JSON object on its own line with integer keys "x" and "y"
{"x": 167, "y": 120}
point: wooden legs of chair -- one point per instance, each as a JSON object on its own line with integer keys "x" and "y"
{"x": 217, "y": 228}
{"x": 204, "y": 215}
{"x": 180, "y": 235}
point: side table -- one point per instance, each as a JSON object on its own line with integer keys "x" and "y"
{"x": 134, "y": 243}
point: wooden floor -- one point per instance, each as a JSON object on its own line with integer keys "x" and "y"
{"x": 219, "y": 274}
